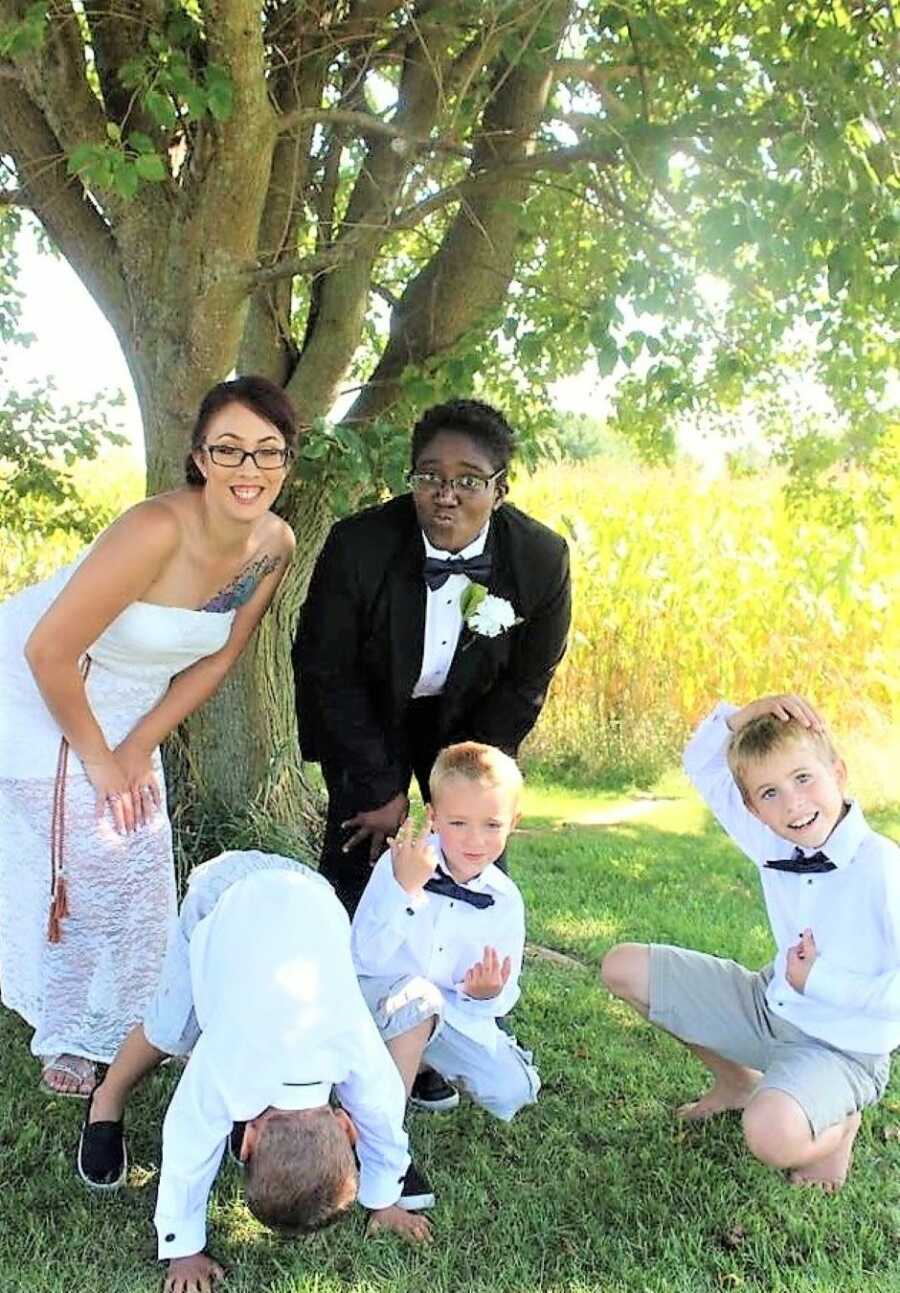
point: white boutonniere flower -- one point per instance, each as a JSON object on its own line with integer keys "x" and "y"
{"x": 486, "y": 615}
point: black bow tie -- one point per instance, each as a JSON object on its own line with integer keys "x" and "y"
{"x": 800, "y": 864}
{"x": 437, "y": 572}
{"x": 442, "y": 884}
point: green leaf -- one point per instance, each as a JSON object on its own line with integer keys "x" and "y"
{"x": 140, "y": 142}
{"x": 219, "y": 92}
{"x": 151, "y": 167}
{"x": 161, "y": 109}
{"x": 471, "y": 598}
{"x": 126, "y": 181}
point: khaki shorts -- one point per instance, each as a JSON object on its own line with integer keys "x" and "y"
{"x": 722, "y": 1006}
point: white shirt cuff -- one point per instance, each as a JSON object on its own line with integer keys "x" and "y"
{"x": 180, "y": 1236}
{"x": 380, "y": 1187}
{"x": 708, "y": 741}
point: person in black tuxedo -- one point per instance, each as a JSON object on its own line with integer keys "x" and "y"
{"x": 387, "y": 671}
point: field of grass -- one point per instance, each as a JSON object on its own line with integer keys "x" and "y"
{"x": 594, "y": 1190}
{"x": 686, "y": 589}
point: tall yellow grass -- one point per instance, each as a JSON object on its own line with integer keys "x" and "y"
{"x": 687, "y": 591}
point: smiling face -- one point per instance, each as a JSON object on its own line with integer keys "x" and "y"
{"x": 451, "y": 519}
{"x": 247, "y": 491}
{"x": 473, "y": 820}
{"x": 797, "y": 793}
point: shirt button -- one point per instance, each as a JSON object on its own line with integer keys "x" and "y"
{"x": 410, "y": 912}
{"x": 809, "y": 882}
{"x": 444, "y": 643}
{"x": 170, "y": 1239}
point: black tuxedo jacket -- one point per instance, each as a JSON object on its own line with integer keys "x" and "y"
{"x": 358, "y": 652}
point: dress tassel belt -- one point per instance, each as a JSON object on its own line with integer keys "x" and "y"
{"x": 59, "y": 898}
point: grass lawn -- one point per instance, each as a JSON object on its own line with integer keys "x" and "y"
{"x": 594, "y": 1190}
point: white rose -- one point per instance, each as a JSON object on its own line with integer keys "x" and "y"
{"x": 493, "y": 616}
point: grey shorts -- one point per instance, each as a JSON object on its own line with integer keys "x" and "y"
{"x": 501, "y": 1081}
{"x": 722, "y": 1006}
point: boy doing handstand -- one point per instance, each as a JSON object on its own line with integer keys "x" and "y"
{"x": 439, "y": 935}
{"x": 259, "y": 989}
{"x": 802, "y": 1046}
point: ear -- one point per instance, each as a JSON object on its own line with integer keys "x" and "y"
{"x": 501, "y": 489}
{"x": 839, "y": 768}
{"x": 348, "y": 1124}
{"x": 249, "y": 1143}
{"x": 198, "y": 461}
{"x": 515, "y": 821}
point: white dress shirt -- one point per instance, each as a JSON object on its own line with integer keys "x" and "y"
{"x": 852, "y": 996}
{"x": 439, "y": 938}
{"x": 443, "y": 619}
{"x": 282, "y": 1021}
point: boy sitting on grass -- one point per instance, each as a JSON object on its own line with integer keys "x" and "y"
{"x": 439, "y": 935}
{"x": 802, "y": 1046}
{"x": 258, "y": 988}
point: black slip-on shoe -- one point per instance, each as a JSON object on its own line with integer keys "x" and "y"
{"x": 102, "y": 1160}
{"x": 417, "y": 1193}
{"x": 432, "y": 1092}
{"x": 235, "y": 1142}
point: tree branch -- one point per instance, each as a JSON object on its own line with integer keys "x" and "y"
{"x": 363, "y": 123}
{"x": 61, "y": 205}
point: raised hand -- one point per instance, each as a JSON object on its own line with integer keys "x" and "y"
{"x": 784, "y": 706}
{"x": 195, "y": 1274}
{"x": 487, "y": 978}
{"x": 413, "y": 856}
{"x": 376, "y": 825}
{"x": 800, "y": 960}
{"x": 411, "y": 1226}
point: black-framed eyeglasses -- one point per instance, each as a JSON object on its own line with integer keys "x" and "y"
{"x": 429, "y": 482}
{"x": 268, "y": 458}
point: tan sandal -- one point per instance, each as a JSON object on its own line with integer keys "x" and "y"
{"x": 73, "y": 1066}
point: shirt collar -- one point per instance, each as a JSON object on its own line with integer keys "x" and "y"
{"x": 490, "y": 878}
{"x": 843, "y": 843}
{"x": 474, "y": 549}
{"x": 301, "y": 1095}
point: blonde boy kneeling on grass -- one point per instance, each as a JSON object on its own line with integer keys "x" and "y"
{"x": 802, "y": 1046}
{"x": 439, "y": 935}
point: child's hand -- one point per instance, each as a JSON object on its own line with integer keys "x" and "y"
{"x": 800, "y": 960}
{"x": 487, "y": 977}
{"x": 413, "y": 857}
{"x": 783, "y": 706}
{"x": 411, "y": 1226}
{"x": 195, "y": 1274}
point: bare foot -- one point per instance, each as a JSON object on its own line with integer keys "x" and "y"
{"x": 69, "y": 1075}
{"x": 733, "y": 1093}
{"x": 830, "y": 1173}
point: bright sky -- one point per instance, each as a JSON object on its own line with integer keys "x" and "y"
{"x": 76, "y": 346}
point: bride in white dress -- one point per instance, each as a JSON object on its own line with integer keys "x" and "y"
{"x": 97, "y": 666}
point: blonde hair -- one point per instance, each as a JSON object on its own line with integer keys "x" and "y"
{"x": 767, "y": 735}
{"x": 473, "y": 761}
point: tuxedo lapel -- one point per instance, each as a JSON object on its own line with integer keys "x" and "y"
{"x": 473, "y": 649}
{"x": 406, "y": 616}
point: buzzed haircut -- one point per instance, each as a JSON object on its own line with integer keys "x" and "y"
{"x": 479, "y": 421}
{"x": 474, "y": 761}
{"x": 766, "y": 735}
{"x": 302, "y": 1174}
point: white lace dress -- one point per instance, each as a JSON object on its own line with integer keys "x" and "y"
{"x": 83, "y": 994}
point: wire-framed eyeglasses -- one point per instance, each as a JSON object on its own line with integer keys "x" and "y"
{"x": 429, "y": 482}
{"x": 268, "y": 458}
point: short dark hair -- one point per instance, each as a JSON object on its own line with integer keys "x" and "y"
{"x": 264, "y": 398}
{"x": 482, "y": 422}
{"x": 302, "y": 1174}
